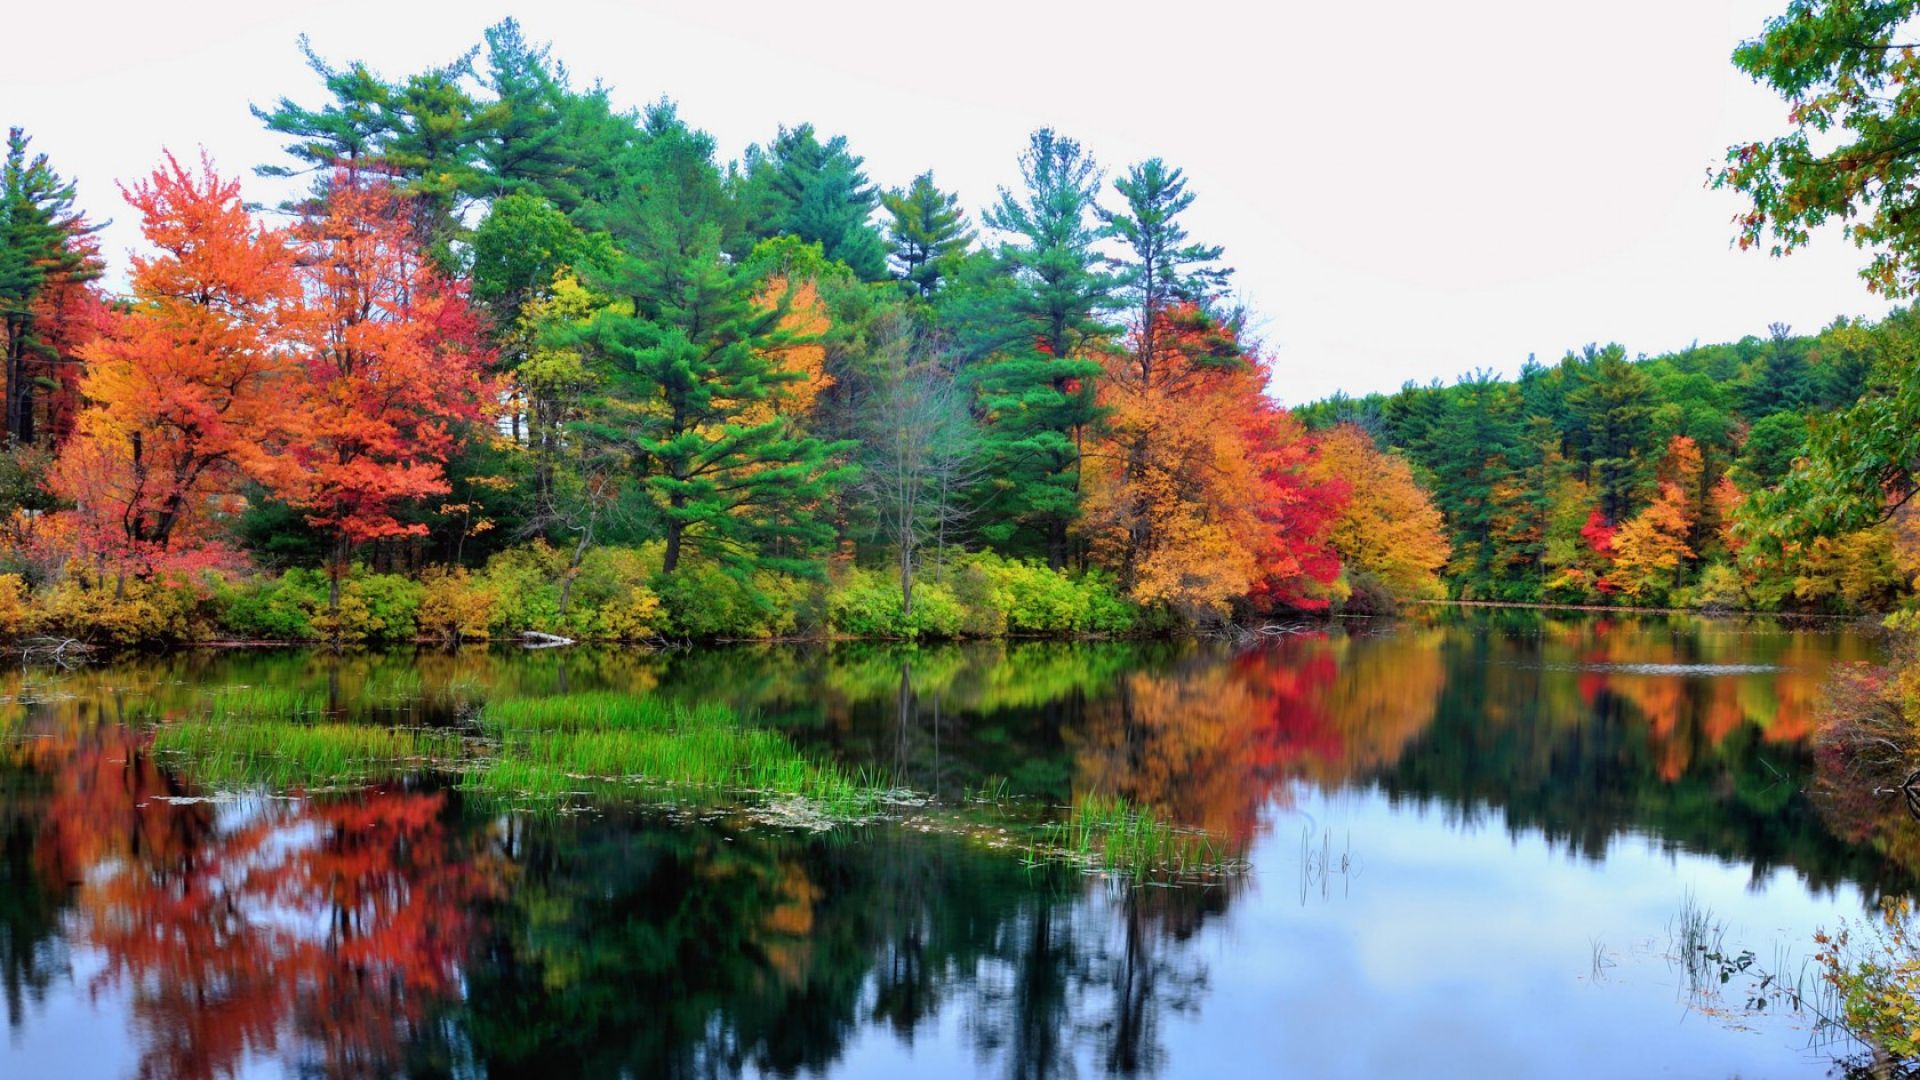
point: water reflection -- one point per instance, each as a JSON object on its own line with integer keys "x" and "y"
{"x": 408, "y": 929}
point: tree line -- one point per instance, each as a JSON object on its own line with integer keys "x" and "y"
{"x": 1653, "y": 480}
{"x": 503, "y": 312}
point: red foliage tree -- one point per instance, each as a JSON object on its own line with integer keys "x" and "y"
{"x": 392, "y": 371}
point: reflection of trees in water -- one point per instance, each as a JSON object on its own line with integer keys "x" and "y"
{"x": 313, "y": 930}
{"x": 1591, "y": 730}
{"x": 360, "y": 934}
{"x": 692, "y": 951}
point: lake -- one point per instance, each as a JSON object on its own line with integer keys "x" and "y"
{"x": 1479, "y": 844}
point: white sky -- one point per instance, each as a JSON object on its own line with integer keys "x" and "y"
{"x": 1409, "y": 189}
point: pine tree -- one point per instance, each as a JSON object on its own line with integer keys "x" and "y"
{"x": 349, "y": 131}
{"x": 800, "y": 186}
{"x": 1162, "y": 268}
{"x": 928, "y": 231}
{"x": 1037, "y": 392}
{"x": 45, "y": 245}
{"x": 1611, "y": 426}
{"x": 688, "y": 353}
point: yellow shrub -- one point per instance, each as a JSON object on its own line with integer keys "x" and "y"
{"x": 125, "y": 610}
{"x": 633, "y": 617}
{"x": 455, "y": 605}
{"x": 16, "y": 609}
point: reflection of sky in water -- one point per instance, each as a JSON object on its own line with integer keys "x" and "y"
{"x": 1454, "y": 950}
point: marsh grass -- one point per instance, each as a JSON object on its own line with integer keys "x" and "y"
{"x": 1103, "y": 833}
{"x": 289, "y": 753}
{"x": 562, "y": 746}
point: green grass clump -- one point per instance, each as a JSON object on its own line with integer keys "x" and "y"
{"x": 1109, "y": 833}
{"x": 599, "y": 711}
{"x": 556, "y": 746}
{"x": 282, "y": 753}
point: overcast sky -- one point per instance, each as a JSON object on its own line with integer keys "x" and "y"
{"x": 1409, "y": 189}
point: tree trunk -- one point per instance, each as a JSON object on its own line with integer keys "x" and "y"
{"x": 672, "y": 557}
{"x": 906, "y": 581}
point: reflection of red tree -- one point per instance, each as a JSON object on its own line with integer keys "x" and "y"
{"x": 321, "y": 930}
{"x": 1291, "y": 683}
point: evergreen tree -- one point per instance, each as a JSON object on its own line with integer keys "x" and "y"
{"x": 349, "y": 131}
{"x": 1162, "y": 268}
{"x": 44, "y": 244}
{"x": 1036, "y": 388}
{"x": 688, "y": 354}
{"x": 1610, "y": 408}
{"x": 800, "y": 186}
{"x": 928, "y": 232}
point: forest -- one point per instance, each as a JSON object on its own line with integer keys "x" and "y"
{"x": 1653, "y": 480}
{"x": 515, "y": 359}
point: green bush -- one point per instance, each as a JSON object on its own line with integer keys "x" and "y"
{"x": 1030, "y": 598}
{"x": 526, "y": 589}
{"x": 704, "y": 600}
{"x": 293, "y": 607}
{"x": 867, "y": 603}
{"x": 274, "y": 609}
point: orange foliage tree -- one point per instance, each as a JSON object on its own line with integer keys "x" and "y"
{"x": 393, "y": 370}
{"x": 1652, "y": 548}
{"x": 184, "y": 389}
{"x": 1195, "y": 488}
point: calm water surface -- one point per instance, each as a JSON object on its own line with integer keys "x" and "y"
{"x": 1471, "y": 839}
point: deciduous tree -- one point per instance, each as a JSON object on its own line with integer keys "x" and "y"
{"x": 391, "y": 372}
{"x": 191, "y": 384}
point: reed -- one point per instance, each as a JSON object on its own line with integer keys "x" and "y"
{"x": 1102, "y": 833}
{"x": 558, "y": 746}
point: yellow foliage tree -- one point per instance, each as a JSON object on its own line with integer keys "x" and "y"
{"x": 1388, "y": 528}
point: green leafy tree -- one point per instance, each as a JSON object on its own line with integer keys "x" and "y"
{"x": 1851, "y": 152}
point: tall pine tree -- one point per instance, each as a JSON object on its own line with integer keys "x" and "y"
{"x": 1036, "y": 393}
{"x": 928, "y": 232}
{"x": 689, "y": 355}
{"x": 44, "y": 246}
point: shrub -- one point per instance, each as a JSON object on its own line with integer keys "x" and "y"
{"x": 374, "y": 607}
{"x": 526, "y": 590}
{"x": 16, "y": 609}
{"x": 1367, "y": 595}
{"x": 611, "y": 599}
{"x": 274, "y": 609}
{"x": 1034, "y": 599}
{"x": 867, "y": 603}
{"x": 705, "y": 600}
{"x": 454, "y": 605}
{"x": 129, "y": 610}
